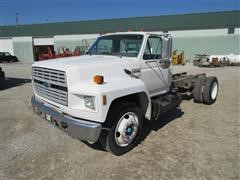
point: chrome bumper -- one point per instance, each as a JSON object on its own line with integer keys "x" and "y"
{"x": 76, "y": 128}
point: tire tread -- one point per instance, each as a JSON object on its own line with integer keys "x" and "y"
{"x": 198, "y": 89}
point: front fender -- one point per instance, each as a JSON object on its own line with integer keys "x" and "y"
{"x": 114, "y": 89}
{"x": 123, "y": 88}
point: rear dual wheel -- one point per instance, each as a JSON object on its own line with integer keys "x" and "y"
{"x": 210, "y": 90}
{"x": 205, "y": 90}
{"x": 198, "y": 89}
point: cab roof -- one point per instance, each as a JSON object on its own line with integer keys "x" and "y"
{"x": 133, "y": 33}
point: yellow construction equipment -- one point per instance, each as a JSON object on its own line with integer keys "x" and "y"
{"x": 178, "y": 58}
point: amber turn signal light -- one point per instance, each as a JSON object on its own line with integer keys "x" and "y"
{"x": 98, "y": 79}
{"x": 104, "y": 98}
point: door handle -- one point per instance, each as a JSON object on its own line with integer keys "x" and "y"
{"x": 136, "y": 73}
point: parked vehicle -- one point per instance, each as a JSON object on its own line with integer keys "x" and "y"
{"x": 2, "y": 74}
{"x": 107, "y": 94}
{"x": 7, "y": 57}
{"x": 226, "y": 60}
{"x": 202, "y": 60}
{"x": 178, "y": 59}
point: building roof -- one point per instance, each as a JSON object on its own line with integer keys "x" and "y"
{"x": 213, "y": 20}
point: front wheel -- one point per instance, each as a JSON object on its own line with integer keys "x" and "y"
{"x": 126, "y": 129}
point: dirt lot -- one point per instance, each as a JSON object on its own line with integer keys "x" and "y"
{"x": 194, "y": 142}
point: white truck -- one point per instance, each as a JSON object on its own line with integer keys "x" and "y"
{"x": 107, "y": 94}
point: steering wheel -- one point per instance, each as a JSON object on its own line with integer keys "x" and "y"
{"x": 132, "y": 50}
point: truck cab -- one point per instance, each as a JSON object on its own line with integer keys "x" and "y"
{"x": 106, "y": 94}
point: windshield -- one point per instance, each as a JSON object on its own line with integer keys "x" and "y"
{"x": 120, "y": 45}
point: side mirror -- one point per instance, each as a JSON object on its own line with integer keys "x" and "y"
{"x": 166, "y": 46}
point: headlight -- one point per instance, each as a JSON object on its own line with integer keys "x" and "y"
{"x": 89, "y": 102}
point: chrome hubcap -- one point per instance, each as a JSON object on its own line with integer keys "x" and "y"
{"x": 126, "y": 129}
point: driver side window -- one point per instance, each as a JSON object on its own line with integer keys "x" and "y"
{"x": 153, "y": 48}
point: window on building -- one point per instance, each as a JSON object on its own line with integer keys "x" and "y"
{"x": 231, "y": 30}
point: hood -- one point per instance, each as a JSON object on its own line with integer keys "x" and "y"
{"x": 83, "y": 68}
{"x": 85, "y": 60}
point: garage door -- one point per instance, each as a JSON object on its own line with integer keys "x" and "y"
{"x": 42, "y": 41}
{"x": 6, "y": 45}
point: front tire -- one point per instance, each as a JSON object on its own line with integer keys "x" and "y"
{"x": 125, "y": 132}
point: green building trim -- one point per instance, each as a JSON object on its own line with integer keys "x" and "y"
{"x": 213, "y": 20}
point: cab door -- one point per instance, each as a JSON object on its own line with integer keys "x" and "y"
{"x": 156, "y": 71}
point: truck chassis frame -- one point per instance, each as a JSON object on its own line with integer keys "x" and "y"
{"x": 184, "y": 82}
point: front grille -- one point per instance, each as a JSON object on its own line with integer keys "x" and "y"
{"x": 50, "y": 84}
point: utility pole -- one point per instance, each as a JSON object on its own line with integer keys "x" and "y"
{"x": 16, "y": 20}
{"x": 137, "y": 23}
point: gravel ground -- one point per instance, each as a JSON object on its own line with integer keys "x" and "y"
{"x": 194, "y": 142}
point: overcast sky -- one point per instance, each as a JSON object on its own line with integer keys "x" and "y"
{"x": 42, "y": 11}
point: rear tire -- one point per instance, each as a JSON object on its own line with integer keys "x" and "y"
{"x": 126, "y": 129}
{"x": 210, "y": 91}
{"x": 198, "y": 89}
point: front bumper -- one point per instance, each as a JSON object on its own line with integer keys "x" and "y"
{"x": 76, "y": 128}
